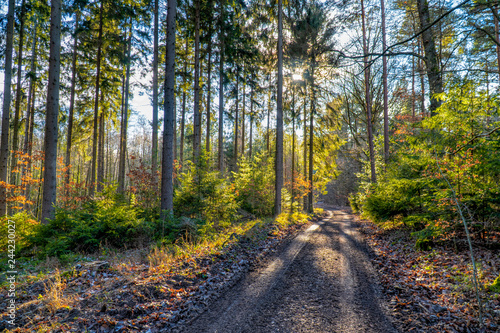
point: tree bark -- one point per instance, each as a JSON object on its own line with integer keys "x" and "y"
{"x": 154, "y": 139}
{"x": 268, "y": 134}
{"x": 196, "y": 108}
{"x": 310, "y": 207}
{"x": 220, "y": 153}
{"x": 384, "y": 82}
{"x": 209, "y": 88}
{"x": 4, "y": 144}
{"x": 293, "y": 150}
{"x": 497, "y": 46}
{"x": 413, "y": 86}
{"x": 431, "y": 59}
{"x": 17, "y": 107}
{"x": 51, "y": 115}
{"x": 183, "y": 114}
{"x": 250, "y": 146}
{"x": 368, "y": 98}
{"x": 100, "y": 151}
{"x": 279, "y": 117}
{"x": 167, "y": 190}
{"x": 243, "y": 111}
{"x": 236, "y": 121}
{"x": 96, "y": 104}
{"x": 71, "y": 105}
{"x": 30, "y": 116}
{"x": 422, "y": 80}
{"x": 305, "y": 145}
{"x": 124, "y": 122}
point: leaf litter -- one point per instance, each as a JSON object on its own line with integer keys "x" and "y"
{"x": 433, "y": 291}
{"x": 102, "y": 296}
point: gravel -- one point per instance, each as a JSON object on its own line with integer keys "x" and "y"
{"x": 322, "y": 281}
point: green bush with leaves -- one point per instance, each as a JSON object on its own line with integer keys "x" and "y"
{"x": 387, "y": 200}
{"x": 204, "y": 196}
{"x": 101, "y": 223}
{"x": 22, "y": 225}
{"x": 452, "y": 156}
{"x": 254, "y": 184}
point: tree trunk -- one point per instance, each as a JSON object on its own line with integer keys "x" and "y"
{"x": 310, "y": 207}
{"x": 154, "y": 139}
{"x": 96, "y": 104}
{"x": 422, "y": 79}
{"x": 243, "y": 111}
{"x": 71, "y": 106}
{"x": 17, "y": 109}
{"x": 30, "y": 116}
{"x": 368, "y": 98}
{"x": 431, "y": 59}
{"x": 268, "y": 134}
{"x": 497, "y": 46}
{"x": 251, "y": 124}
{"x": 293, "y": 151}
{"x": 209, "y": 88}
{"x": 100, "y": 151}
{"x": 183, "y": 115}
{"x": 236, "y": 122}
{"x": 305, "y": 145}
{"x": 220, "y": 153}
{"x": 196, "y": 108}
{"x": 279, "y": 117}
{"x": 51, "y": 115}
{"x": 175, "y": 122}
{"x": 167, "y": 190}
{"x": 384, "y": 82}
{"x": 124, "y": 122}
{"x": 4, "y": 145}
{"x": 413, "y": 85}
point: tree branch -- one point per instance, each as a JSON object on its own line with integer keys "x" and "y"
{"x": 474, "y": 138}
{"x": 386, "y": 51}
{"x": 494, "y": 40}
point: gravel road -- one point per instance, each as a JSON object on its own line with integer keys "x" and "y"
{"x": 321, "y": 282}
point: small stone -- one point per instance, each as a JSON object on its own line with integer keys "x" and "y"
{"x": 438, "y": 308}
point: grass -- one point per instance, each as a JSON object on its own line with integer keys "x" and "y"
{"x": 161, "y": 258}
{"x": 179, "y": 258}
{"x": 54, "y": 298}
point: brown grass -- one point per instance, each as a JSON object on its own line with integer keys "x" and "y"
{"x": 54, "y": 298}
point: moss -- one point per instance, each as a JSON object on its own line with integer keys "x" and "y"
{"x": 495, "y": 286}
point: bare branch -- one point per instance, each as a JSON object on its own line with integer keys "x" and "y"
{"x": 474, "y": 138}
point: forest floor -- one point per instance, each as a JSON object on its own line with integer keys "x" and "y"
{"x": 139, "y": 290}
{"x": 340, "y": 274}
{"x": 321, "y": 282}
{"x": 433, "y": 291}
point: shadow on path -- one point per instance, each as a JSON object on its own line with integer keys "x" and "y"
{"x": 322, "y": 282}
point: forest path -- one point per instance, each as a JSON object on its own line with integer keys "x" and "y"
{"x": 322, "y": 281}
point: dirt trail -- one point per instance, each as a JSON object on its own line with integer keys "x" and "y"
{"x": 321, "y": 282}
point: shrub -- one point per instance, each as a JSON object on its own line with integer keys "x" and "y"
{"x": 25, "y": 226}
{"x": 254, "y": 184}
{"x": 495, "y": 286}
{"x": 102, "y": 222}
{"x": 204, "y": 196}
{"x": 426, "y": 236}
{"x": 389, "y": 199}
{"x": 354, "y": 203}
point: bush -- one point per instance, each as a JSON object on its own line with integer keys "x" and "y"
{"x": 205, "y": 197}
{"x": 389, "y": 199}
{"x": 102, "y": 222}
{"x": 25, "y": 226}
{"x": 495, "y": 286}
{"x": 354, "y": 203}
{"x": 254, "y": 184}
